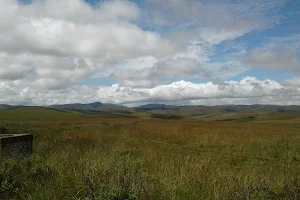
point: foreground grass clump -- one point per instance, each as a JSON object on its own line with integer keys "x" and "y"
{"x": 20, "y": 176}
{"x": 154, "y": 159}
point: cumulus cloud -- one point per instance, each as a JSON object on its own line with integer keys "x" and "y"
{"x": 293, "y": 81}
{"x": 280, "y": 57}
{"x": 150, "y": 77}
{"x": 178, "y": 67}
{"x": 109, "y": 42}
{"x": 65, "y": 28}
{"x": 232, "y": 91}
{"x": 45, "y": 72}
{"x": 47, "y": 48}
{"x": 146, "y": 78}
{"x": 56, "y": 44}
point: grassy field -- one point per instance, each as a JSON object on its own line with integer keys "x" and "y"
{"x": 76, "y": 157}
{"x": 40, "y": 114}
{"x": 31, "y": 113}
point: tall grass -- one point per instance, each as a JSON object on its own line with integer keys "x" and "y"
{"x": 154, "y": 159}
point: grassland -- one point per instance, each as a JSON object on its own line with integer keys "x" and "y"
{"x": 79, "y": 157}
{"x": 31, "y": 113}
{"x": 40, "y": 114}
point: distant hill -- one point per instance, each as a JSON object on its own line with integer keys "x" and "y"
{"x": 161, "y": 111}
{"x": 149, "y": 107}
{"x": 40, "y": 113}
{"x": 5, "y": 106}
{"x": 89, "y": 106}
{"x": 115, "y": 107}
{"x": 93, "y": 106}
{"x": 221, "y": 112}
{"x": 36, "y": 113}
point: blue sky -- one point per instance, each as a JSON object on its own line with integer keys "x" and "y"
{"x": 132, "y": 52}
{"x": 288, "y": 25}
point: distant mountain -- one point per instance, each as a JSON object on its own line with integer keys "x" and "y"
{"x": 6, "y": 106}
{"x": 154, "y": 105}
{"x": 172, "y": 109}
{"x": 91, "y": 106}
{"x": 108, "y": 106}
{"x": 80, "y": 106}
{"x": 3, "y": 106}
{"x": 149, "y": 107}
{"x": 36, "y": 113}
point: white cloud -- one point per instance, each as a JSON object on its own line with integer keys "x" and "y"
{"x": 292, "y": 40}
{"x": 46, "y": 72}
{"x": 41, "y": 42}
{"x": 293, "y": 81}
{"x": 47, "y": 48}
{"x": 181, "y": 67}
{"x": 80, "y": 11}
{"x": 151, "y": 77}
{"x": 249, "y": 89}
{"x": 74, "y": 28}
{"x": 279, "y": 57}
{"x": 214, "y": 21}
{"x": 114, "y": 41}
{"x": 145, "y": 78}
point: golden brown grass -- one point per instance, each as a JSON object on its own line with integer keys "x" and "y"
{"x": 157, "y": 159}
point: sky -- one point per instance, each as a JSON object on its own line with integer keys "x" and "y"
{"x": 133, "y": 52}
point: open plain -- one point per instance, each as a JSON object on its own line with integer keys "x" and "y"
{"x": 76, "y": 156}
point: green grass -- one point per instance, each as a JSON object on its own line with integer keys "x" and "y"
{"x": 154, "y": 159}
{"x": 248, "y": 116}
{"x": 40, "y": 114}
{"x": 35, "y": 113}
{"x": 81, "y": 155}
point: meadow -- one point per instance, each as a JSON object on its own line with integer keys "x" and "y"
{"x": 144, "y": 158}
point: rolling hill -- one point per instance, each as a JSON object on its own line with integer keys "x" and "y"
{"x": 36, "y": 113}
{"x": 40, "y": 113}
{"x": 90, "y": 106}
{"x": 160, "y": 111}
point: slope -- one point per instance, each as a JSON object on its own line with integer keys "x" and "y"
{"x": 36, "y": 113}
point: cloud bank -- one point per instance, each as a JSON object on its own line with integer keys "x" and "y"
{"x": 152, "y": 49}
{"x": 264, "y": 92}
